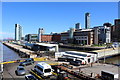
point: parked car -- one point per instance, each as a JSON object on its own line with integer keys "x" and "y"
{"x": 27, "y": 62}
{"x": 76, "y": 63}
{"x": 20, "y": 71}
{"x": 30, "y": 77}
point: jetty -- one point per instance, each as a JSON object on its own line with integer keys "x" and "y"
{"x": 21, "y": 51}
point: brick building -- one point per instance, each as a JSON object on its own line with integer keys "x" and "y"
{"x": 50, "y": 37}
{"x": 46, "y": 38}
{"x": 56, "y": 37}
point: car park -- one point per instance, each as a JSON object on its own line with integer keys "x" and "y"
{"x": 30, "y": 77}
{"x": 20, "y": 71}
{"x": 76, "y": 63}
{"x": 27, "y": 62}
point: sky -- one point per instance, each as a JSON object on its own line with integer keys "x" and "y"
{"x": 54, "y": 16}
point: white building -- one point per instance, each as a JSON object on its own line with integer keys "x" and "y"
{"x": 18, "y": 32}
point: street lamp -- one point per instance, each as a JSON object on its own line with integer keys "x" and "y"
{"x": 104, "y": 53}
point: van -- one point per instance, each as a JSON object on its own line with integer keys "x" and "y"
{"x": 44, "y": 69}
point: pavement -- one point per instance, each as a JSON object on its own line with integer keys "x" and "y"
{"x": 9, "y": 71}
{"x": 95, "y": 69}
{"x": 98, "y": 67}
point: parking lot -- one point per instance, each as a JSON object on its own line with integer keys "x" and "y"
{"x": 9, "y": 71}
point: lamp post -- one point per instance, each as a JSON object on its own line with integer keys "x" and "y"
{"x": 104, "y": 54}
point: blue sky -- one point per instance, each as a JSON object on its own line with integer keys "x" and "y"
{"x": 54, "y": 16}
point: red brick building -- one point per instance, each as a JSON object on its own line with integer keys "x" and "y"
{"x": 46, "y": 38}
{"x": 49, "y": 37}
{"x": 56, "y": 37}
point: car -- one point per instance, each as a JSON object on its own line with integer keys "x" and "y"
{"x": 20, "y": 71}
{"x": 30, "y": 77}
{"x": 76, "y": 63}
{"x": 27, "y": 62}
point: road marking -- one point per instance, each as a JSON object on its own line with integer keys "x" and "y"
{"x": 54, "y": 73}
{"x": 35, "y": 59}
{"x": 36, "y": 75}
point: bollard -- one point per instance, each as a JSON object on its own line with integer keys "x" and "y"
{"x": 91, "y": 74}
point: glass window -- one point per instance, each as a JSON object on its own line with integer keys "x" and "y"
{"x": 39, "y": 68}
{"x": 47, "y": 70}
{"x": 21, "y": 69}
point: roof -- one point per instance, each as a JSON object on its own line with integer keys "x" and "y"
{"x": 46, "y": 44}
{"x": 82, "y": 53}
{"x": 84, "y": 30}
{"x": 44, "y": 65}
{"x": 20, "y": 67}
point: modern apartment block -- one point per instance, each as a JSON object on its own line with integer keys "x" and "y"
{"x": 18, "y": 32}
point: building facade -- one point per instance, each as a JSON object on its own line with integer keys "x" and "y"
{"x": 46, "y": 38}
{"x": 87, "y": 20}
{"x": 31, "y": 37}
{"x": 115, "y": 31}
{"x": 56, "y": 37}
{"x": 84, "y": 37}
{"x": 18, "y": 32}
{"x": 40, "y": 32}
{"x": 81, "y": 36}
{"x": 102, "y": 34}
{"x": 77, "y": 26}
{"x": 64, "y": 37}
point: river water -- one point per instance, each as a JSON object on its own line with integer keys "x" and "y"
{"x": 9, "y": 55}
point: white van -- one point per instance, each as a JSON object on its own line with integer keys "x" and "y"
{"x": 44, "y": 69}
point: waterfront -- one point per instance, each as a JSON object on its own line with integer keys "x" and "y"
{"x": 9, "y": 55}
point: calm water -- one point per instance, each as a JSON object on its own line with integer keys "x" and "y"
{"x": 115, "y": 60}
{"x": 9, "y": 54}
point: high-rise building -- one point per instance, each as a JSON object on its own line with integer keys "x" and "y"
{"x": 77, "y": 26}
{"x": 18, "y": 32}
{"x": 87, "y": 20}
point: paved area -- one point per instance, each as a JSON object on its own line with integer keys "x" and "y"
{"x": 97, "y": 68}
{"x": 9, "y": 71}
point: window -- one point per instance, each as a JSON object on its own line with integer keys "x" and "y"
{"x": 39, "y": 68}
{"x": 47, "y": 70}
{"x": 21, "y": 68}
